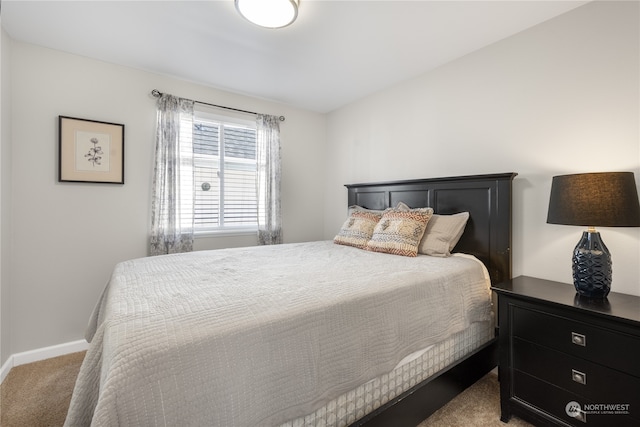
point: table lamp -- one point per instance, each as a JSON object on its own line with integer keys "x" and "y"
{"x": 605, "y": 199}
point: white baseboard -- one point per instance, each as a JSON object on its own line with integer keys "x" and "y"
{"x": 6, "y": 367}
{"x": 41, "y": 354}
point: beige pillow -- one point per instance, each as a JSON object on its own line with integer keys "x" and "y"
{"x": 399, "y": 232}
{"x": 357, "y": 229}
{"x": 354, "y": 208}
{"x": 442, "y": 234}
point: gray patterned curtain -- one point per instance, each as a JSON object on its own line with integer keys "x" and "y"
{"x": 268, "y": 180}
{"x": 172, "y": 192}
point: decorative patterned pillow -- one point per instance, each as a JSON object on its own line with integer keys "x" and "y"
{"x": 399, "y": 232}
{"x": 358, "y": 228}
{"x": 443, "y": 232}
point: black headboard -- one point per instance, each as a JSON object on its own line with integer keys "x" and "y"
{"x": 487, "y": 198}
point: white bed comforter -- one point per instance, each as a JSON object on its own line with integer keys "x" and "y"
{"x": 257, "y": 336}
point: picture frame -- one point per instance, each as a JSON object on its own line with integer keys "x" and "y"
{"x": 90, "y": 151}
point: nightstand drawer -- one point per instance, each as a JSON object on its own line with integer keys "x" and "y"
{"x": 553, "y": 400}
{"x": 581, "y": 377}
{"x": 599, "y": 345}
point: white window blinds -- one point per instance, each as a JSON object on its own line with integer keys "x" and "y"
{"x": 224, "y": 158}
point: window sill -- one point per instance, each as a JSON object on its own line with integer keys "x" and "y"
{"x": 225, "y": 233}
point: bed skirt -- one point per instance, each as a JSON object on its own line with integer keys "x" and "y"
{"x": 355, "y": 404}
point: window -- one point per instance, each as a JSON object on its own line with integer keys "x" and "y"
{"x": 224, "y": 171}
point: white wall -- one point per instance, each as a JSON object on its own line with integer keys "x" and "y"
{"x": 5, "y": 191}
{"x": 66, "y": 237}
{"x": 1, "y": 182}
{"x": 560, "y": 98}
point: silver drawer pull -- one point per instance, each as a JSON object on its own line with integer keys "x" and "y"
{"x": 574, "y": 410}
{"x": 578, "y": 339}
{"x": 579, "y": 377}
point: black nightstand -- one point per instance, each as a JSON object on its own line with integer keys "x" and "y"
{"x": 565, "y": 360}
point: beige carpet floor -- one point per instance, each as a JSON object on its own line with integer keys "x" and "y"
{"x": 38, "y": 395}
{"x": 477, "y": 406}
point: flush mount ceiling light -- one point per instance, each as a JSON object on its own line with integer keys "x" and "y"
{"x": 268, "y": 13}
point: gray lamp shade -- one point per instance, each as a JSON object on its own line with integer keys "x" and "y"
{"x": 605, "y": 199}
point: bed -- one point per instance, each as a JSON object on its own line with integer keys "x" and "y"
{"x": 302, "y": 334}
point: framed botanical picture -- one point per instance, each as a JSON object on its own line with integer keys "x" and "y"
{"x": 90, "y": 151}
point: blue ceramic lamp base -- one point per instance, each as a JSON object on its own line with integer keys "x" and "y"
{"x": 592, "y": 266}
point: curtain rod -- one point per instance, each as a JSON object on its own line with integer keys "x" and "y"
{"x": 157, "y": 94}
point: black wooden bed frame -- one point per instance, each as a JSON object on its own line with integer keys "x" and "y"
{"x": 487, "y": 236}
